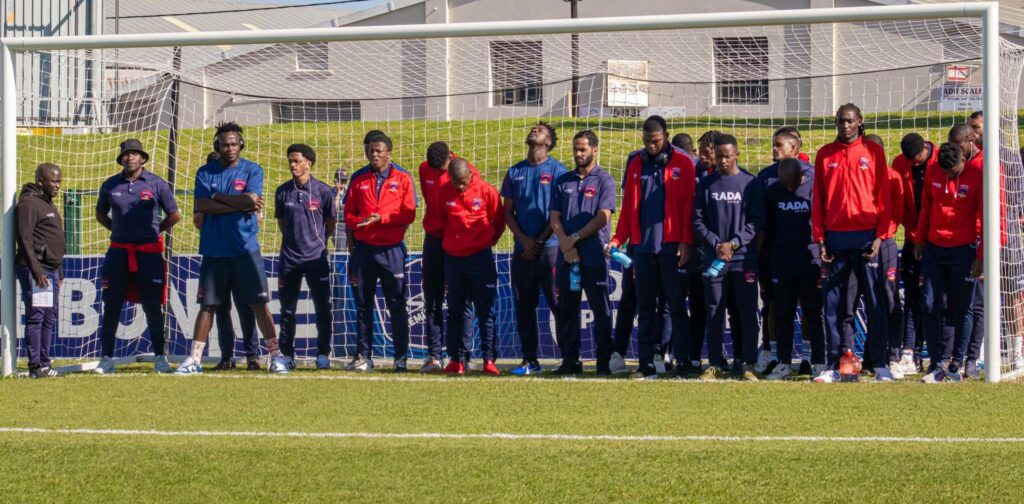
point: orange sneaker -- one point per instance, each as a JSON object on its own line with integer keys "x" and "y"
{"x": 455, "y": 367}
{"x": 491, "y": 369}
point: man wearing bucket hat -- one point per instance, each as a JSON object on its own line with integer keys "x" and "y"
{"x": 130, "y": 205}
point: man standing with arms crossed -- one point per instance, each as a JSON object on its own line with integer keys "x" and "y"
{"x": 526, "y": 193}
{"x": 305, "y": 213}
{"x": 129, "y": 205}
{"x": 228, "y": 193}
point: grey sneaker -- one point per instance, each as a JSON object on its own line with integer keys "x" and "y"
{"x": 105, "y": 367}
{"x": 401, "y": 366}
{"x": 659, "y": 363}
{"x": 617, "y": 365}
{"x": 278, "y": 364}
{"x": 323, "y": 362}
{"x": 160, "y": 365}
{"x": 432, "y": 365}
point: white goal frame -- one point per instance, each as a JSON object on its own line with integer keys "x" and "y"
{"x": 988, "y": 12}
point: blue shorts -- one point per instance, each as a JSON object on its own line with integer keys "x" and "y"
{"x": 244, "y": 276}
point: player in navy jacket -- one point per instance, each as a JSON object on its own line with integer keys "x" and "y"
{"x": 727, "y": 216}
{"x": 795, "y": 264}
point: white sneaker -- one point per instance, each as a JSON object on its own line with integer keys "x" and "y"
{"x": 883, "y": 374}
{"x": 323, "y": 362}
{"x": 106, "y": 366}
{"x": 935, "y": 376}
{"x": 817, "y": 369}
{"x": 827, "y": 376}
{"x": 907, "y": 364}
{"x": 659, "y": 363}
{"x": 780, "y": 372}
{"x": 189, "y": 367}
{"x": 359, "y": 364}
{"x": 432, "y": 365}
{"x": 617, "y": 365}
{"x": 278, "y": 364}
{"x": 763, "y": 360}
{"x": 160, "y": 365}
{"x": 896, "y": 370}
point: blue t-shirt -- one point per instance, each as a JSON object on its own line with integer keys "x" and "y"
{"x": 770, "y": 174}
{"x": 579, "y": 200}
{"x": 788, "y": 225}
{"x": 529, "y": 187}
{"x": 300, "y": 211}
{"x": 134, "y": 206}
{"x": 727, "y": 208}
{"x": 231, "y": 234}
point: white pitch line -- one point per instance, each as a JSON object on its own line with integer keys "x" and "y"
{"x": 513, "y": 437}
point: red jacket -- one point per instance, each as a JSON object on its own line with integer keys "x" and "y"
{"x": 898, "y": 190}
{"x": 978, "y": 161}
{"x": 473, "y": 219}
{"x": 951, "y": 209}
{"x": 431, "y": 180}
{"x": 904, "y": 166}
{"x": 851, "y": 189}
{"x": 396, "y": 205}
{"x": 680, "y": 188}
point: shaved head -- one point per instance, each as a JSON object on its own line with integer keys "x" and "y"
{"x": 460, "y": 173}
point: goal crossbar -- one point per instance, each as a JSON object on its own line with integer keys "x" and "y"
{"x": 986, "y": 12}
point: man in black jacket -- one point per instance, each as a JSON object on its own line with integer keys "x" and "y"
{"x": 40, "y": 251}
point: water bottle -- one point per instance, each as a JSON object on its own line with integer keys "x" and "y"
{"x": 621, "y": 257}
{"x": 849, "y": 367}
{"x": 715, "y": 269}
{"x": 574, "y": 278}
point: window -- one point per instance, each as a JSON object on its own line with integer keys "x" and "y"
{"x": 517, "y": 72}
{"x": 741, "y": 70}
{"x": 312, "y": 57}
{"x": 314, "y": 111}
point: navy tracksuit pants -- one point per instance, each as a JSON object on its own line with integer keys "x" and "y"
{"x": 226, "y": 329}
{"x": 529, "y": 279}
{"x": 766, "y": 291}
{"x": 318, "y": 277}
{"x": 970, "y": 347}
{"x": 658, "y": 275}
{"x": 801, "y": 283}
{"x": 697, "y": 305}
{"x": 847, "y": 262}
{"x": 40, "y": 322}
{"x": 384, "y": 264}
{"x": 433, "y": 294}
{"x": 150, "y": 281}
{"x": 736, "y": 290}
{"x": 913, "y": 314}
{"x": 948, "y": 293}
{"x": 888, "y": 254}
{"x": 471, "y": 281}
{"x": 594, "y": 282}
{"x": 627, "y": 312}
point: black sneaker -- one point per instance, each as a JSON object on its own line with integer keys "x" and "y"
{"x": 954, "y": 366}
{"x": 687, "y": 371}
{"x": 669, "y": 367}
{"x": 603, "y": 369}
{"x": 252, "y": 364}
{"x": 805, "y": 368}
{"x": 225, "y": 365}
{"x": 43, "y": 372}
{"x": 569, "y": 368}
{"x": 971, "y": 369}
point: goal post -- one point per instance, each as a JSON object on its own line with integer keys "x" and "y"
{"x": 997, "y": 127}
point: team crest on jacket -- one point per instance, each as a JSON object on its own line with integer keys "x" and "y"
{"x": 545, "y": 178}
{"x": 891, "y": 274}
{"x": 864, "y": 163}
{"x": 590, "y": 192}
{"x": 314, "y": 204}
{"x": 676, "y": 172}
{"x": 962, "y": 190}
{"x": 750, "y": 276}
{"x": 147, "y": 195}
{"x": 239, "y": 184}
{"x": 477, "y": 203}
{"x": 393, "y": 186}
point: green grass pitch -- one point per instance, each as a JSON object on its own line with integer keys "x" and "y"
{"x": 928, "y": 461}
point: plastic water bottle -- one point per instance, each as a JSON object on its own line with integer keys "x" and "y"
{"x": 621, "y": 257}
{"x": 715, "y": 269}
{"x": 574, "y": 278}
{"x": 849, "y": 367}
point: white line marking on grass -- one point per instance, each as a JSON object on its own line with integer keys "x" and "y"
{"x": 511, "y": 436}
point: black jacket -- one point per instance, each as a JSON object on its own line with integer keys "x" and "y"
{"x": 40, "y": 231}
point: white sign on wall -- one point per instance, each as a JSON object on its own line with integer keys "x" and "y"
{"x": 627, "y": 83}
{"x": 960, "y": 98}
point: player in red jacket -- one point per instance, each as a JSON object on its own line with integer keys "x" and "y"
{"x": 473, "y": 222}
{"x": 850, "y": 218}
{"x": 379, "y": 206}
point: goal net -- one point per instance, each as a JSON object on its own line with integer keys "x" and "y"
{"x": 481, "y": 94}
